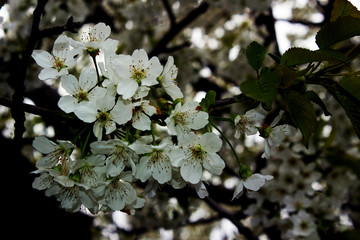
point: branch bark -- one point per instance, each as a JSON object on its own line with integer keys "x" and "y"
{"x": 19, "y": 77}
{"x": 177, "y": 27}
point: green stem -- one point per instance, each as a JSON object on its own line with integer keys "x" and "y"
{"x": 152, "y": 134}
{"x": 85, "y": 144}
{"x": 228, "y": 142}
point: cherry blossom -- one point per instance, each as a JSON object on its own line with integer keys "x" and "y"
{"x": 196, "y": 153}
{"x": 56, "y": 63}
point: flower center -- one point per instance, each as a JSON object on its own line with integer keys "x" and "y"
{"x": 59, "y": 64}
{"x": 120, "y": 152}
{"x": 138, "y": 75}
{"x": 82, "y": 96}
{"x": 198, "y": 152}
{"x": 265, "y": 130}
{"x": 180, "y": 118}
{"x": 103, "y": 117}
{"x": 156, "y": 155}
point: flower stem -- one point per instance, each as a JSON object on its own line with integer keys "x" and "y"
{"x": 96, "y": 67}
{"x": 228, "y": 142}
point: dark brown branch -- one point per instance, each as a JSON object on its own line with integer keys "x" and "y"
{"x": 225, "y": 214}
{"x": 29, "y": 108}
{"x": 19, "y": 76}
{"x": 178, "y": 27}
{"x": 169, "y": 12}
{"x": 302, "y": 21}
{"x": 70, "y": 26}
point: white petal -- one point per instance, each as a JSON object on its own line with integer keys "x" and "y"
{"x": 43, "y": 58}
{"x": 155, "y": 67}
{"x": 140, "y": 58}
{"x": 67, "y": 103}
{"x": 127, "y": 88}
{"x": 254, "y": 182}
{"x": 201, "y": 190}
{"x": 238, "y": 190}
{"x": 162, "y": 170}
{"x": 87, "y": 79}
{"x": 200, "y": 120}
{"x": 122, "y": 112}
{"x": 49, "y": 73}
{"x": 191, "y": 172}
{"x": 211, "y": 142}
{"x": 141, "y": 122}
{"x": 44, "y": 145}
{"x": 86, "y": 111}
{"x": 213, "y": 163}
{"x": 70, "y": 84}
{"x": 177, "y": 157}
{"x": 144, "y": 169}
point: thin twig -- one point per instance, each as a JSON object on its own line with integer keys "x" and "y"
{"x": 178, "y": 27}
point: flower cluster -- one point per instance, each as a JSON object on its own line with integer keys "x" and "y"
{"x": 113, "y": 98}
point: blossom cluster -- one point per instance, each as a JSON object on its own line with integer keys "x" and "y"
{"x": 113, "y": 97}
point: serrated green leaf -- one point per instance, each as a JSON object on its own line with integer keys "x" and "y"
{"x": 342, "y": 8}
{"x": 298, "y": 56}
{"x": 349, "y": 103}
{"x": 302, "y": 113}
{"x": 333, "y": 32}
{"x": 263, "y": 90}
{"x": 351, "y": 84}
{"x": 255, "y": 54}
{"x": 312, "y": 96}
{"x": 208, "y": 100}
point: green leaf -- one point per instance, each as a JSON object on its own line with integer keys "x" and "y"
{"x": 342, "y": 8}
{"x": 298, "y": 56}
{"x": 312, "y": 96}
{"x": 255, "y": 54}
{"x": 263, "y": 90}
{"x": 349, "y": 103}
{"x": 208, "y": 100}
{"x": 302, "y": 113}
{"x": 351, "y": 84}
{"x": 342, "y": 29}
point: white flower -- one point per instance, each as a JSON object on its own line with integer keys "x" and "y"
{"x": 303, "y": 224}
{"x": 105, "y": 114}
{"x": 83, "y": 90}
{"x": 195, "y": 154}
{"x": 59, "y": 61}
{"x": 141, "y": 115}
{"x": 55, "y": 153}
{"x": 275, "y": 136}
{"x": 155, "y": 162}
{"x": 135, "y": 71}
{"x": 95, "y": 38}
{"x": 247, "y": 123}
{"x": 254, "y": 183}
{"x": 186, "y": 117}
{"x": 117, "y": 192}
{"x": 119, "y": 155}
{"x": 91, "y": 170}
{"x": 168, "y": 81}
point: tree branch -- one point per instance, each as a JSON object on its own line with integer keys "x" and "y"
{"x": 19, "y": 76}
{"x": 70, "y": 26}
{"x": 178, "y": 27}
{"x": 169, "y": 12}
{"x": 224, "y": 213}
{"x": 29, "y": 108}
